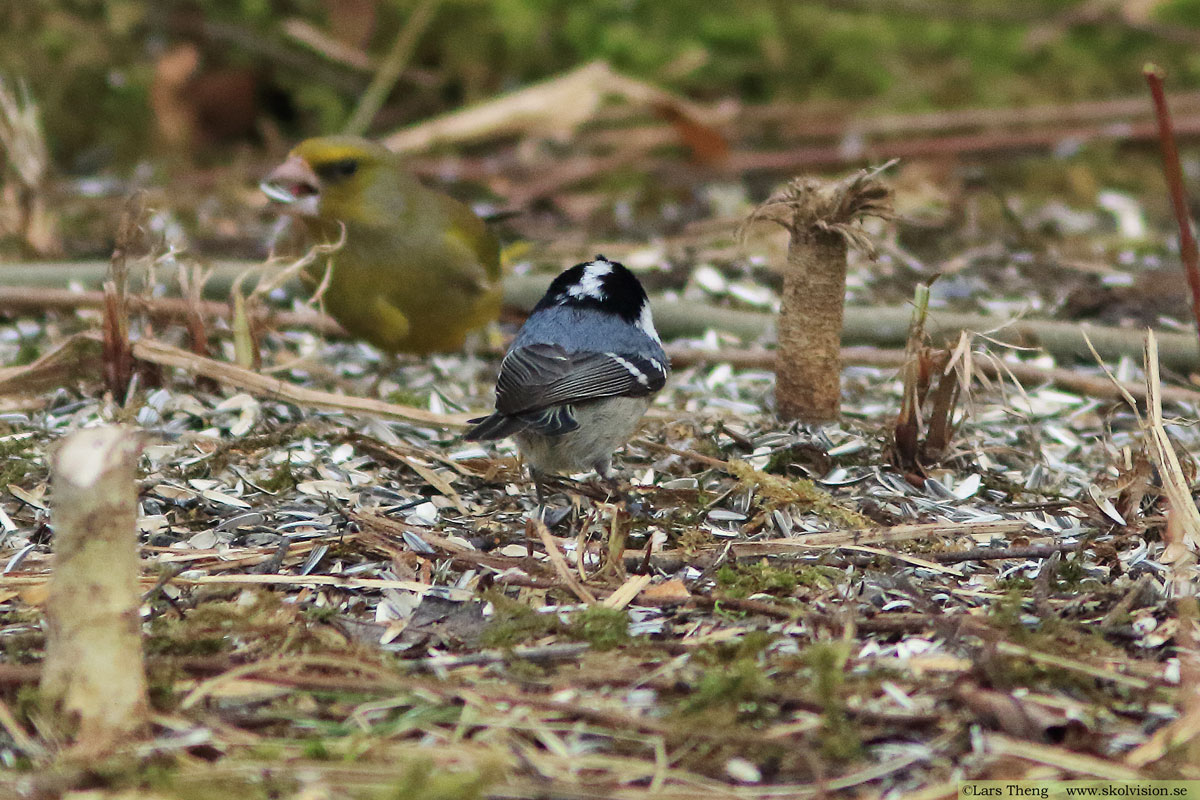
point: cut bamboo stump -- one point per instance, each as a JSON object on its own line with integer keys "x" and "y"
{"x": 93, "y": 671}
{"x": 821, "y": 218}
{"x": 808, "y": 364}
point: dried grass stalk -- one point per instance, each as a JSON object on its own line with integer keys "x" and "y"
{"x": 560, "y": 563}
{"x": 192, "y": 286}
{"x": 23, "y": 143}
{"x": 118, "y": 358}
{"x": 93, "y": 670}
{"x": 1162, "y": 451}
{"x": 164, "y": 355}
{"x": 1182, "y": 536}
{"x": 925, "y": 424}
{"x": 821, "y": 216}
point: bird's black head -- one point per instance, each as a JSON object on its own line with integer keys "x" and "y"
{"x": 601, "y": 284}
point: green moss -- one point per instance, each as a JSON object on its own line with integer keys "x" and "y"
{"x": 316, "y": 750}
{"x": 320, "y": 614}
{"x": 763, "y": 577}
{"x": 603, "y": 628}
{"x": 30, "y": 704}
{"x": 281, "y": 479}
{"x": 1068, "y": 574}
{"x": 798, "y": 491}
{"x": 694, "y": 539}
{"x": 421, "y": 780}
{"x": 265, "y": 624}
{"x": 514, "y": 623}
{"x": 525, "y": 671}
{"x": 187, "y": 637}
{"x": 403, "y": 397}
{"x": 734, "y": 678}
{"x": 160, "y": 686}
{"x": 17, "y": 462}
{"x": 27, "y": 351}
{"x": 743, "y": 580}
{"x": 22, "y": 648}
{"x": 1015, "y": 582}
{"x": 740, "y": 684}
{"x": 751, "y": 645}
{"x": 1006, "y": 612}
{"x": 267, "y": 751}
{"x": 839, "y": 738}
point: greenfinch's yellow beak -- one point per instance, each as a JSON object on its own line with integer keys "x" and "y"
{"x": 295, "y": 186}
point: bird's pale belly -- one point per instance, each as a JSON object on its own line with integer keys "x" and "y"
{"x": 604, "y": 425}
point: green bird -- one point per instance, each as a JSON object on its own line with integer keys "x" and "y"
{"x": 418, "y": 270}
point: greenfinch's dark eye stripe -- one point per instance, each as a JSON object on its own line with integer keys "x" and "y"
{"x": 333, "y": 170}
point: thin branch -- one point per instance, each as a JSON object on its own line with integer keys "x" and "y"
{"x": 229, "y": 374}
{"x": 33, "y": 299}
{"x": 1061, "y": 377}
{"x": 1188, "y": 252}
{"x": 560, "y": 564}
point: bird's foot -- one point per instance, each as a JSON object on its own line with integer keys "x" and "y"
{"x": 551, "y": 516}
{"x": 624, "y": 494}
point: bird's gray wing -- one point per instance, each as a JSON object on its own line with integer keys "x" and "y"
{"x": 538, "y": 376}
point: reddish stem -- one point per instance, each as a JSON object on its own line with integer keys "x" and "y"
{"x": 118, "y": 357}
{"x": 1188, "y": 252}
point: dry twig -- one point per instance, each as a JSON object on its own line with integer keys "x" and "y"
{"x": 166, "y": 356}
{"x": 24, "y": 145}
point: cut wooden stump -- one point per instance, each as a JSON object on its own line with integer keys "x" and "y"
{"x": 821, "y": 216}
{"x": 93, "y": 671}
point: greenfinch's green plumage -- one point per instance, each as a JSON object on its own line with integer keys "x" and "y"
{"x": 418, "y": 269}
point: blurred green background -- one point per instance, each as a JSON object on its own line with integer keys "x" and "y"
{"x": 92, "y": 64}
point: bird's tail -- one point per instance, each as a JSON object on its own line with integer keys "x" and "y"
{"x": 553, "y": 421}
{"x": 497, "y": 426}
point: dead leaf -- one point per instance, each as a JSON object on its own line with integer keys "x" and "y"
{"x": 667, "y": 593}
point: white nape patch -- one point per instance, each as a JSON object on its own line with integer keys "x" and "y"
{"x": 591, "y": 284}
{"x": 646, "y": 323}
{"x": 631, "y": 368}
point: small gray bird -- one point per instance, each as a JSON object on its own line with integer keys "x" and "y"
{"x": 580, "y": 374}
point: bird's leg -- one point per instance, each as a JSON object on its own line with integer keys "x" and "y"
{"x": 609, "y": 478}
{"x": 618, "y": 489}
{"x": 539, "y": 490}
